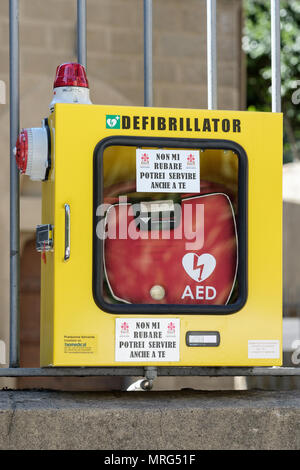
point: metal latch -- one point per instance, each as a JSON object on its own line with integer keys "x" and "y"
{"x": 44, "y": 237}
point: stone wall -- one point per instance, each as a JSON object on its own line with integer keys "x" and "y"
{"x": 187, "y": 420}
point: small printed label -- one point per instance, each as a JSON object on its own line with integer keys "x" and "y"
{"x": 263, "y": 349}
{"x": 167, "y": 171}
{"x": 80, "y": 344}
{"x": 147, "y": 340}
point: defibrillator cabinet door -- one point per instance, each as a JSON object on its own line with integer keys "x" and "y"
{"x": 170, "y": 226}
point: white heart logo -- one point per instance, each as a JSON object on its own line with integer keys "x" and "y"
{"x": 197, "y": 267}
{"x": 111, "y": 122}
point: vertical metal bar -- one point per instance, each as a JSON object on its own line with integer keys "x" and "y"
{"x": 275, "y": 56}
{"x": 211, "y": 10}
{"x": 14, "y": 183}
{"x": 81, "y": 32}
{"x": 148, "y": 101}
{"x": 148, "y": 60}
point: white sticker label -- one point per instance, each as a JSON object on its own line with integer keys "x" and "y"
{"x": 167, "y": 171}
{"x": 147, "y": 340}
{"x": 263, "y": 349}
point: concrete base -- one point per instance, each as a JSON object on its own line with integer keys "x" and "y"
{"x": 180, "y": 420}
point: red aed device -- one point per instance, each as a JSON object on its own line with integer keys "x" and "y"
{"x": 161, "y": 265}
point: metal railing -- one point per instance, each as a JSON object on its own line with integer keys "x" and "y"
{"x": 212, "y": 84}
{"x": 14, "y": 370}
{"x": 14, "y": 74}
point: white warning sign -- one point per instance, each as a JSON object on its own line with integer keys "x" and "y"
{"x": 147, "y": 340}
{"x": 167, "y": 171}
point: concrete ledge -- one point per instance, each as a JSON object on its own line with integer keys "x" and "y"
{"x": 150, "y": 420}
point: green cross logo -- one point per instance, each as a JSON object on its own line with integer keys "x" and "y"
{"x": 112, "y": 121}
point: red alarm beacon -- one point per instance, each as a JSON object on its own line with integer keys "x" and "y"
{"x": 32, "y": 152}
{"x": 32, "y": 149}
{"x": 70, "y": 85}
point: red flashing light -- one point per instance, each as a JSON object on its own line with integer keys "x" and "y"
{"x": 22, "y": 151}
{"x": 71, "y": 74}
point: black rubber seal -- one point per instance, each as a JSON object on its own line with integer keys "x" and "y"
{"x": 242, "y": 224}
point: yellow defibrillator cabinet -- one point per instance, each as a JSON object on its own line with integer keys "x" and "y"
{"x": 162, "y": 236}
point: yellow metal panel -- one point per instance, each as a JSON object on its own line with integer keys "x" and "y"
{"x": 47, "y": 269}
{"x": 68, "y": 308}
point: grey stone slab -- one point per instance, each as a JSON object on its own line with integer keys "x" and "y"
{"x": 155, "y": 420}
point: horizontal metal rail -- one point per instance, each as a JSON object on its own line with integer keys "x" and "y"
{"x": 162, "y": 371}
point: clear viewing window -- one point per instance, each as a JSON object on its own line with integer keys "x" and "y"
{"x": 169, "y": 226}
